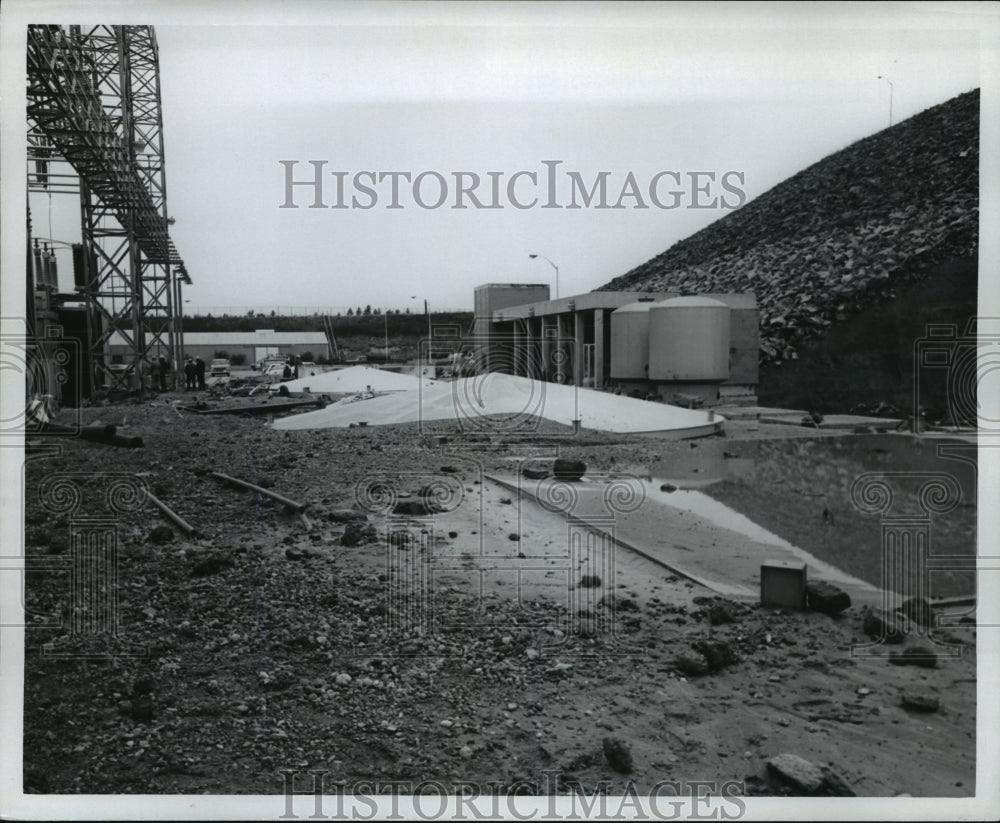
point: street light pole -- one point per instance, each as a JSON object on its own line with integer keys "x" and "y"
{"x": 428, "y": 313}
{"x": 385, "y": 317}
{"x": 887, "y": 80}
{"x": 533, "y": 256}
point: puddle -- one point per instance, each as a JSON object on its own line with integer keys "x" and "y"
{"x": 799, "y": 492}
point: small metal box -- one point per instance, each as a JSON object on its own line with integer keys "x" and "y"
{"x": 783, "y": 584}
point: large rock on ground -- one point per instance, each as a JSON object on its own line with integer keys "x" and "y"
{"x": 797, "y": 772}
{"x": 564, "y": 469}
{"x": 920, "y": 700}
{"x": 358, "y": 532}
{"x": 915, "y": 656}
{"x": 413, "y": 508}
{"x": 618, "y": 754}
{"x": 826, "y": 598}
{"x": 919, "y": 611}
{"x": 536, "y": 471}
{"x": 717, "y": 653}
{"x": 883, "y": 625}
{"x": 692, "y": 663}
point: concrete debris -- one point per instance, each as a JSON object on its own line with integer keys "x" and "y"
{"x": 915, "y": 656}
{"x": 618, "y": 754}
{"x": 883, "y": 625}
{"x": 722, "y": 612}
{"x": 717, "y": 653}
{"x": 691, "y": 663}
{"x": 211, "y": 563}
{"x": 798, "y": 772}
{"x": 564, "y": 469}
{"x": 357, "y": 533}
{"x": 919, "y": 611}
{"x": 161, "y": 535}
{"x": 920, "y": 700}
{"x": 535, "y": 471}
{"x": 826, "y": 598}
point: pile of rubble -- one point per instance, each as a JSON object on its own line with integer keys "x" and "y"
{"x": 845, "y": 232}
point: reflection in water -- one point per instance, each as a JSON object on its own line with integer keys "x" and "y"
{"x": 800, "y": 490}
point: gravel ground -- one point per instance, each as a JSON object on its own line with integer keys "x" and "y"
{"x": 266, "y": 643}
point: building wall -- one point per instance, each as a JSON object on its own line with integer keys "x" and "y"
{"x": 206, "y": 353}
{"x": 744, "y": 319}
{"x": 744, "y": 346}
{"x": 495, "y": 296}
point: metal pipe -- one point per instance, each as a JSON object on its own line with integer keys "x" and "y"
{"x": 178, "y": 521}
{"x": 292, "y": 504}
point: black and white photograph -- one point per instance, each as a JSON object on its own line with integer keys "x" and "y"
{"x": 504, "y": 410}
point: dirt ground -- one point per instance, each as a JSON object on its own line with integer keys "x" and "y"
{"x": 265, "y": 643}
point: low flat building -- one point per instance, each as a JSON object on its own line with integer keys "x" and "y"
{"x": 253, "y": 346}
{"x": 662, "y": 345}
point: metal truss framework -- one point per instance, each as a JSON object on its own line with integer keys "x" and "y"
{"x": 94, "y": 104}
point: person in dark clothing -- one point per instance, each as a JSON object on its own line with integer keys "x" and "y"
{"x": 190, "y": 374}
{"x": 199, "y": 368}
{"x": 164, "y": 370}
{"x": 286, "y": 372}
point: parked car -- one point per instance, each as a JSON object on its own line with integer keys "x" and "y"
{"x": 220, "y": 368}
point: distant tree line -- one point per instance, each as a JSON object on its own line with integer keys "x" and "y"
{"x": 365, "y": 322}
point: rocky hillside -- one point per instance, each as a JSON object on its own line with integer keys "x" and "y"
{"x": 849, "y": 230}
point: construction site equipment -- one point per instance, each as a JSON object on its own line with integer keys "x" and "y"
{"x": 95, "y": 129}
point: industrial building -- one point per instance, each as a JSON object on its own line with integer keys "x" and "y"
{"x": 700, "y": 349}
{"x": 252, "y": 346}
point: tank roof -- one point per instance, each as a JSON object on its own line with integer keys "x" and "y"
{"x": 637, "y": 307}
{"x": 691, "y": 301}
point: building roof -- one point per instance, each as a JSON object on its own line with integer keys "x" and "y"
{"x": 609, "y": 300}
{"x": 260, "y": 337}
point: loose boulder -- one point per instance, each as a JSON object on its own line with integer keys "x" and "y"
{"x": 915, "y": 656}
{"x": 920, "y": 700}
{"x": 797, "y": 772}
{"x": 618, "y": 754}
{"x": 919, "y": 611}
{"x": 693, "y": 664}
{"x": 535, "y": 471}
{"x": 883, "y": 625}
{"x": 358, "y": 532}
{"x": 571, "y": 470}
{"x": 717, "y": 653}
{"x": 826, "y": 598}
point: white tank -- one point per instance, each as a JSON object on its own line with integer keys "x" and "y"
{"x": 689, "y": 339}
{"x": 630, "y": 341}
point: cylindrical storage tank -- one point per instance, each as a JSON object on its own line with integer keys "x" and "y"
{"x": 689, "y": 339}
{"x": 630, "y": 342}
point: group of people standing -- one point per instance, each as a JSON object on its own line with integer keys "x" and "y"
{"x": 194, "y": 374}
{"x": 159, "y": 368}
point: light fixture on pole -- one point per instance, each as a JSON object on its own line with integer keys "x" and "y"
{"x": 533, "y": 256}
{"x": 887, "y": 80}
{"x": 427, "y": 311}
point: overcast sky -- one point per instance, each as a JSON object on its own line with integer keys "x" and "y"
{"x": 759, "y": 90}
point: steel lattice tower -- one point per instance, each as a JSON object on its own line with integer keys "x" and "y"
{"x": 94, "y": 104}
